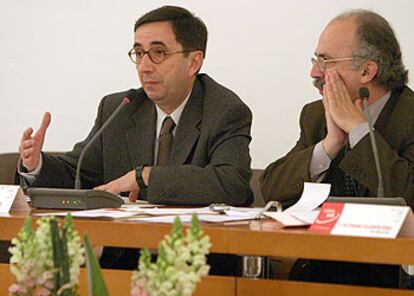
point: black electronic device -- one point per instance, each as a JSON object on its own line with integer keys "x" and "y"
{"x": 72, "y": 199}
{"x": 389, "y": 201}
{"x": 80, "y": 199}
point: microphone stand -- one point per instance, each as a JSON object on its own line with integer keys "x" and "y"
{"x": 380, "y": 189}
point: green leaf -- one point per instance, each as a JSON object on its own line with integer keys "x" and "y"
{"x": 68, "y": 222}
{"x": 195, "y": 226}
{"x": 65, "y": 265}
{"x": 96, "y": 283}
{"x": 177, "y": 230}
{"x": 57, "y": 252}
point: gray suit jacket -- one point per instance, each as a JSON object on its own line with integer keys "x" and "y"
{"x": 210, "y": 159}
{"x": 394, "y": 131}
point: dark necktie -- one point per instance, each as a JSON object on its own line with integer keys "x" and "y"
{"x": 165, "y": 141}
{"x": 352, "y": 186}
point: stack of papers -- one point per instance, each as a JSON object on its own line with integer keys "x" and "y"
{"x": 165, "y": 215}
{"x": 304, "y": 212}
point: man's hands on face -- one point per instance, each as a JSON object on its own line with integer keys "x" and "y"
{"x": 31, "y": 146}
{"x": 342, "y": 115}
{"x": 126, "y": 183}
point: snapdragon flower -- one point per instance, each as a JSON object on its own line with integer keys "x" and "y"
{"x": 180, "y": 264}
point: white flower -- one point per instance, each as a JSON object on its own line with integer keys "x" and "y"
{"x": 33, "y": 259}
{"x": 180, "y": 264}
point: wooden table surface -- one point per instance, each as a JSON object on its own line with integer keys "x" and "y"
{"x": 264, "y": 238}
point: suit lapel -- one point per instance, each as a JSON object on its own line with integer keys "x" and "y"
{"x": 384, "y": 119}
{"x": 188, "y": 129}
{"x": 386, "y": 113}
{"x": 140, "y": 136}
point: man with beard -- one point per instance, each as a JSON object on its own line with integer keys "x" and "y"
{"x": 356, "y": 49}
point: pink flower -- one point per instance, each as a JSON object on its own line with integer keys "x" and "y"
{"x": 49, "y": 285}
{"x": 45, "y": 278}
{"x": 139, "y": 291}
{"x": 43, "y": 292}
{"x": 28, "y": 282}
{"x": 13, "y": 289}
{"x": 16, "y": 289}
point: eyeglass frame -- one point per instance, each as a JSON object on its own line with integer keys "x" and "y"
{"x": 166, "y": 54}
{"x": 322, "y": 62}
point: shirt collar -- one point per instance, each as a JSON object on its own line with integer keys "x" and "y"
{"x": 175, "y": 115}
{"x": 376, "y": 108}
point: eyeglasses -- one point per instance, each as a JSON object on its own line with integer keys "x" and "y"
{"x": 322, "y": 62}
{"x": 156, "y": 54}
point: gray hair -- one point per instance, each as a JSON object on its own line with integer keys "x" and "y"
{"x": 376, "y": 41}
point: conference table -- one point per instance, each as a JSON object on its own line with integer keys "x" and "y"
{"x": 257, "y": 238}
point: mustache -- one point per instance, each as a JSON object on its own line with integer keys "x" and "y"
{"x": 318, "y": 83}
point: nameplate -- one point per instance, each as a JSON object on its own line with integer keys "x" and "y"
{"x": 12, "y": 199}
{"x": 364, "y": 220}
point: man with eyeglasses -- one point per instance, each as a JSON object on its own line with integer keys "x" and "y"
{"x": 357, "y": 49}
{"x": 183, "y": 141}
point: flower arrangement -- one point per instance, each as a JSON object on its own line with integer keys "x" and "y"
{"x": 46, "y": 261}
{"x": 180, "y": 264}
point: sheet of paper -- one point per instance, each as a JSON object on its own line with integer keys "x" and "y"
{"x": 304, "y": 211}
{"x": 121, "y": 213}
{"x": 165, "y": 214}
{"x": 242, "y": 214}
{"x": 139, "y": 203}
{"x": 187, "y": 219}
{"x": 305, "y": 216}
{"x": 245, "y": 209}
{"x": 161, "y": 219}
{"x": 313, "y": 195}
{"x": 285, "y": 218}
{"x": 99, "y": 213}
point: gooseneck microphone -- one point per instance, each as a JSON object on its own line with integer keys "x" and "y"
{"x": 364, "y": 95}
{"x": 128, "y": 98}
{"x": 80, "y": 199}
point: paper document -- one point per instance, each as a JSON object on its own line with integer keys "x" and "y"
{"x": 99, "y": 213}
{"x": 308, "y": 217}
{"x": 165, "y": 214}
{"x": 314, "y": 194}
{"x": 304, "y": 212}
{"x": 187, "y": 219}
{"x": 133, "y": 211}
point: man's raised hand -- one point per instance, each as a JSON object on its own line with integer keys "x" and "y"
{"x": 31, "y": 145}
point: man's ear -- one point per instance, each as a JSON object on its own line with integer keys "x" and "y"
{"x": 368, "y": 71}
{"x": 195, "y": 61}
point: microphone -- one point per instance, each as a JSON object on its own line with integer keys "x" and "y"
{"x": 364, "y": 95}
{"x": 63, "y": 198}
{"x": 131, "y": 94}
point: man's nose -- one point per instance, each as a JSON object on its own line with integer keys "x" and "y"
{"x": 145, "y": 65}
{"x": 316, "y": 71}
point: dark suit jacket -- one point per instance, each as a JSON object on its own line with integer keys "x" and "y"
{"x": 210, "y": 159}
{"x": 394, "y": 131}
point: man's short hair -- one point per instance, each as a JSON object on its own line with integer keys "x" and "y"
{"x": 190, "y": 31}
{"x": 376, "y": 41}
